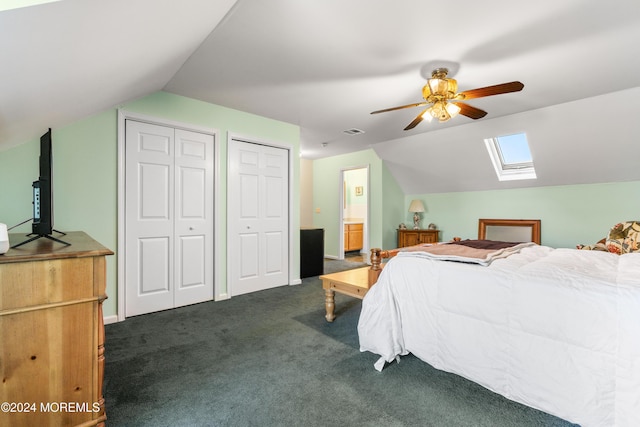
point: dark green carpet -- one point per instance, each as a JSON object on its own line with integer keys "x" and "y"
{"x": 271, "y": 359}
{"x": 333, "y": 266}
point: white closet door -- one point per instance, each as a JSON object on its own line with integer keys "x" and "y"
{"x": 193, "y": 217}
{"x": 258, "y": 217}
{"x": 168, "y": 219}
{"x": 149, "y": 218}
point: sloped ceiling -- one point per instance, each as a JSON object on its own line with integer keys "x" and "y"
{"x": 67, "y": 60}
{"x": 570, "y": 143}
{"x": 325, "y": 65}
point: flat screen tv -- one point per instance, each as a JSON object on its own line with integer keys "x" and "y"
{"x": 43, "y": 191}
{"x": 42, "y": 222}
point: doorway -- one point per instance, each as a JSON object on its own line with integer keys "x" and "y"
{"x": 354, "y": 212}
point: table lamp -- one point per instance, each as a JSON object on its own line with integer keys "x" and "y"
{"x": 416, "y": 207}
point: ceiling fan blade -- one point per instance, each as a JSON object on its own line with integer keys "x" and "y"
{"x": 419, "y": 104}
{"x": 492, "y": 90}
{"x": 469, "y": 111}
{"x": 415, "y": 121}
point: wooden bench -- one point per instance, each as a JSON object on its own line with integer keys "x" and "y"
{"x": 354, "y": 283}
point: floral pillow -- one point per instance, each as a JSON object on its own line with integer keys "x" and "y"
{"x": 622, "y": 238}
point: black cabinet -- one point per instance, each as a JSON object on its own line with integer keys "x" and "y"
{"x": 311, "y": 252}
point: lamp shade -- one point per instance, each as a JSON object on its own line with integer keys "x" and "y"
{"x": 416, "y": 206}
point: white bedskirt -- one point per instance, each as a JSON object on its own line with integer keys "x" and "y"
{"x": 554, "y": 329}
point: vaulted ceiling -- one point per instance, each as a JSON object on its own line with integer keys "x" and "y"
{"x": 325, "y": 65}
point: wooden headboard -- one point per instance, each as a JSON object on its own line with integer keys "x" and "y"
{"x": 509, "y": 230}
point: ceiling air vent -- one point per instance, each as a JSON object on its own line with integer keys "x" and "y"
{"x": 353, "y": 131}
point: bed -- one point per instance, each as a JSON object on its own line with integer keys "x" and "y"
{"x": 554, "y": 329}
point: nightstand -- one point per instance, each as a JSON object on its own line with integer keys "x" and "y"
{"x": 411, "y": 237}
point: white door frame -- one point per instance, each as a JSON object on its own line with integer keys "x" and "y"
{"x": 365, "y": 236}
{"x": 124, "y": 115}
{"x": 289, "y": 148}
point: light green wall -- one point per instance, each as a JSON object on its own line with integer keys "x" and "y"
{"x": 326, "y": 197}
{"x": 306, "y": 193}
{"x": 392, "y": 209}
{"x": 85, "y": 171}
{"x": 18, "y": 169}
{"x": 570, "y": 214}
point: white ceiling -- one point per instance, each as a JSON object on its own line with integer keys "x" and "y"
{"x": 324, "y": 65}
{"x": 67, "y": 60}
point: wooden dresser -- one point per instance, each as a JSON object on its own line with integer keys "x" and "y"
{"x": 52, "y": 332}
{"x": 415, "y": 237}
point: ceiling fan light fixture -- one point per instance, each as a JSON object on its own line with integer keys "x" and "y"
{"x": 452, "y": 109}
{"x": 446, "y": 88}
{"x": 452, "y": 88}
{"x": 439, "y": 110}
{"x": 440, "y": 85}
{"x": 427, "y": 114}
{"x": 444, "y": 102}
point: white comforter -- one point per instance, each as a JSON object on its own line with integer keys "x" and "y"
{"x": 555, "y": 329}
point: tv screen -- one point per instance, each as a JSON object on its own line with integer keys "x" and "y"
{"x": 43, "y": 191}
{"x": 42, "y": 225}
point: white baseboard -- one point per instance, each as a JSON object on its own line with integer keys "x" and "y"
{"x": 110, "y": 319}
{"x": 331, "y": 256}
{"x": 221, "y": 297}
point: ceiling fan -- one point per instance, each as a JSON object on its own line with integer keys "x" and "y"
{"x": 440, "y": 93}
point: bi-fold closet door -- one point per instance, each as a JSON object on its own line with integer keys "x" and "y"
{"x": 168, "y": 217}
{"x": 258, "y": 217}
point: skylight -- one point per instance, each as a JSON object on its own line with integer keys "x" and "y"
{"x": 511, "y": 157}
